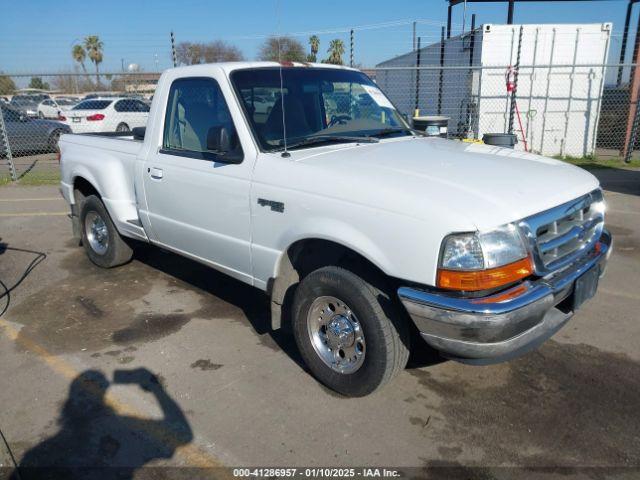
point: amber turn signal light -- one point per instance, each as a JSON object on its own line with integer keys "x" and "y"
{"x": 472, "y": 281}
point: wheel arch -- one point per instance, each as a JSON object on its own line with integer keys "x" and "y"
{"x": 306, "y": 255}
{"x": 85, "y": 187}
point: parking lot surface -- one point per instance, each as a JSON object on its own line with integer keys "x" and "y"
{"x": 166, "y": 362}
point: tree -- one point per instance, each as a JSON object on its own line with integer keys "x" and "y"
{"x": 93, "y": 45}
{"x": 36, "y": 82}
{"x": 79, "y": 55}
{"x": 290, "y": 50}
{"x": 190, "y": 53}
{"x": 314, "y": 43}
{"x": 335, "y": 51}
{"x": 7, "y": 87}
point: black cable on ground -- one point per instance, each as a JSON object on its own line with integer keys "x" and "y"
{"x": 13, "y": 459}
{"x": 39, "y": 257}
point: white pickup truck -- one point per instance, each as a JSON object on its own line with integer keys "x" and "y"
{"x": 362, "y": 232}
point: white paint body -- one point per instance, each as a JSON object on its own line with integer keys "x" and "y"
{"x": 393, "y": 201}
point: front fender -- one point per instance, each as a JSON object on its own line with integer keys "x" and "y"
{"x": 336, "y": 231}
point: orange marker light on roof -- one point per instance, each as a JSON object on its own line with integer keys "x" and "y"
{"x": 471, "y": 281}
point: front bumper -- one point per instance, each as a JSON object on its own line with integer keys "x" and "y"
{"x": 504, "y": 325}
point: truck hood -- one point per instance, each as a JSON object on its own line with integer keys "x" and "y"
{"x": 488, "y": 186}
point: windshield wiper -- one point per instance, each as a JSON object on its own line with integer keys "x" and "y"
{"x": 330, "y": 139}
{"x": 385, "y": 132}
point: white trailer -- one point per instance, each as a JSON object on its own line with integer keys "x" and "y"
{"x": 559, "y": 84}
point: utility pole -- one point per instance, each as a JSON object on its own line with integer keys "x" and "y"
{"x": 634, "y": 92}
{"x": 414, "y": 36}
{"x": 351, "y": 52}
{"x": 173, "y": 50}
{"x": 416, "y": 111}
{"x": 625, "y": 35}
{"x": 441, "y": 71}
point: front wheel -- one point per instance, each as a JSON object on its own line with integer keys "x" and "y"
{"x": 102, "y": 242}
{"x": 349, "y": 333}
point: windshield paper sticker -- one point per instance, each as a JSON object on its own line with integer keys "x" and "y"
{"x": 377, "y": 96}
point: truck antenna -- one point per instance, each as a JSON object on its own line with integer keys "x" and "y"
{"x": 285, "y": 153}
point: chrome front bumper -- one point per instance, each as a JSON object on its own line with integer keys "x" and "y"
{"x": 504, "y": 325}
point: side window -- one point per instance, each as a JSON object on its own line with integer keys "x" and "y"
{"x": 124, "y": 106}
{"x": 141, "y": 106}
{"x": 198, "y": 121}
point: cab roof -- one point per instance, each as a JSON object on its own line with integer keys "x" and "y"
{"x": 228, "y": 67}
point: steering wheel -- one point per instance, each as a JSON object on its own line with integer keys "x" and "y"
{"x": 338, "y": 120}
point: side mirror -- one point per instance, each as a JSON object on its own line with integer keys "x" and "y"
{"x": 219, "y": 140}
{"x": 139, "y": 132}
{"x": 224, "y": 143}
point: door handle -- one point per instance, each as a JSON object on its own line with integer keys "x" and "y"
{"x": 156, "y": 173}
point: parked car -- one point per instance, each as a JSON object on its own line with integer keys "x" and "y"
{"x": 358, "y": 228}
{"x": 118, "y": 114}
{"x": 27, "y": 104}
{"x": 51, "y": 108}
{"x": 29, "y": 136}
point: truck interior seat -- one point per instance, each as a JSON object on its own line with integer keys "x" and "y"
{"x": 295, "y": 118}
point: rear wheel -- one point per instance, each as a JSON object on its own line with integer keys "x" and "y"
{"x": 122, "y": 127}
{"x": 102, "y": 242}
{"x": 349, "y": 333}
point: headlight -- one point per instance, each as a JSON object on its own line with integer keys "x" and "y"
{"x": 483, "y": 260}
{"x": 482, "y": 250}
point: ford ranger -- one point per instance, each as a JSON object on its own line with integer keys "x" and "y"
{"x": 371, "y": 240}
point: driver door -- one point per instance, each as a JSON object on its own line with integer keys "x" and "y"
{"x": 198, "y": 199}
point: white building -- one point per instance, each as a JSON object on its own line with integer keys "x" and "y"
{"x": 559, "y": 87}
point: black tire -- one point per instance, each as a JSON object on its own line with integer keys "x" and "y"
{"x": 385, "y": 330}
{"x": 117, "y": 251}
{"x": 123, "y": 127}
{"x": 40, "y": 115}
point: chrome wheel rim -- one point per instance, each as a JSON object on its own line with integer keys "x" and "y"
{"x": 336, "y": 334}
{"x": 97, "y": 233}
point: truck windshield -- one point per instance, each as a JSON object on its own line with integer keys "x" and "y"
{"x": 318, "y": 102}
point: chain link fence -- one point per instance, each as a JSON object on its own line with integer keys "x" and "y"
{"x": 554, "y": 110}
{"x": 32, "y": 121}
{"x": 569, "y": 110}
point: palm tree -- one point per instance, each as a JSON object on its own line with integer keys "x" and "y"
{"x": 335, "y": 51}
{"x": 314, "y": 42}
{"x": 79, "y": 55}
{"x": 93, "y": 46}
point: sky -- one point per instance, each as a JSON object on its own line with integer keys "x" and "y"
{"x": 37, "y": 35}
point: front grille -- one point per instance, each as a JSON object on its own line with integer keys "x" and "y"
{"x": 557, "y": 237}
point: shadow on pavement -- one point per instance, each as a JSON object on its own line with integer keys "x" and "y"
{"x": 253, "y": 302}
{"x": 619, "y": 180}
{"x": 95, "y": 441}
